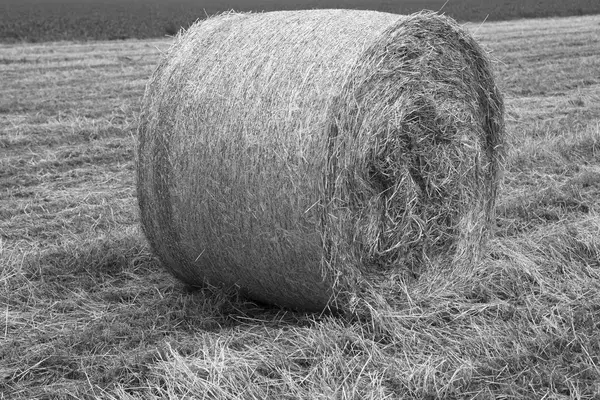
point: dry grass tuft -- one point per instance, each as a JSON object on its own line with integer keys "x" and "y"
{"x": 310, "y": 157}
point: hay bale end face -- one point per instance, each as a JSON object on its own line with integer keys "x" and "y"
{"x": 297, "y": 155}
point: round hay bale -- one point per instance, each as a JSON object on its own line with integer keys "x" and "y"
{"x": 297, "y": 155}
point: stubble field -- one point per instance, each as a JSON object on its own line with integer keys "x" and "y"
{"x": 87, "y": 312}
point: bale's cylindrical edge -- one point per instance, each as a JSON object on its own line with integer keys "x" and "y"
{"x": 295, "y": 155}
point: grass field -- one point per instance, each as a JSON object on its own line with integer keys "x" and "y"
{"x": 87, "y": 312}
{"x": 46, "y": 20}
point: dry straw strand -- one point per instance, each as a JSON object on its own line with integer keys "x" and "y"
{"x": 303, "y": 156}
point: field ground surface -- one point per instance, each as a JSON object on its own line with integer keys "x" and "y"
{"x": 52, "y": 20}
{"x": 87, "y": 312}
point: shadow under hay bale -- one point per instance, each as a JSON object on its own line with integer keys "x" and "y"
{"x": 304, "y": 156}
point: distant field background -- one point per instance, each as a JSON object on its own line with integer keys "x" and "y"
{"x": 51, "y": 20}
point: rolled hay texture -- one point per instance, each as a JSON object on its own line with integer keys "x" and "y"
{"x": 302, "y": 155}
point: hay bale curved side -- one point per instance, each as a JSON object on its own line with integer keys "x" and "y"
{"x": 291, "y": 154}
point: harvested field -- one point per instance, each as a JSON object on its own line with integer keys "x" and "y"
{"x": 88, "y": 312}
